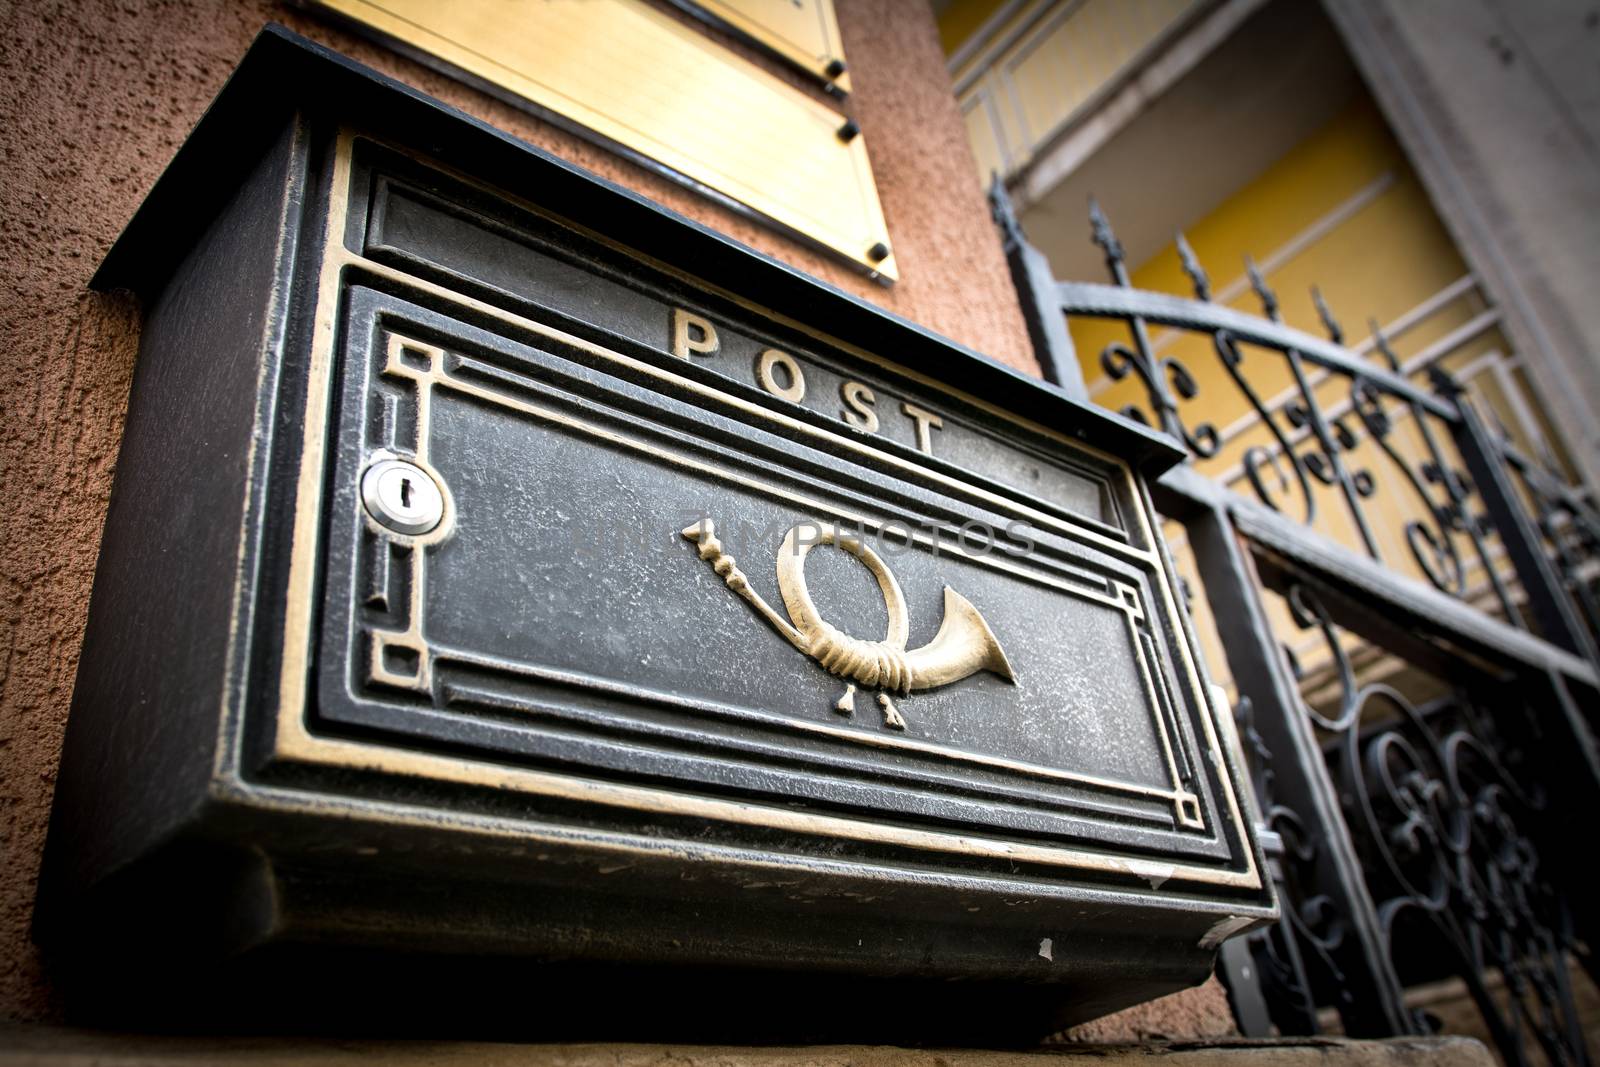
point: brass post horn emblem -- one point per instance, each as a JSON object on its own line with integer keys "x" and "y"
{"x": 964, "y": 644}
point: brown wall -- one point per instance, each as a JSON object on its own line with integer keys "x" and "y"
{"x": 96, "y": 96}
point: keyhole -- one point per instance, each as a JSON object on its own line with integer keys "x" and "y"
{"x": 402, "y": 497}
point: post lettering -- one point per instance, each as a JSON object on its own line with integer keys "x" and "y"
{"x": 692, "y": 333}
{"x": 795, "y": 391}
{"x": 858, "y": 402}
{"x": 926, "y": 422}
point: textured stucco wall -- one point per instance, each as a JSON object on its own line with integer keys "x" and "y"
{"x": 96, "y": 95}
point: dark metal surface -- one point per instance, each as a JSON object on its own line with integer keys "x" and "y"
{"x": 521, "y": 608}
{"x": 342, "y": 739}
{"x": 1411, "y": 841}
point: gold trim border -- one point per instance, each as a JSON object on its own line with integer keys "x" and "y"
{"x": 1123, "y": 599}
{"x": 294, "y": 741}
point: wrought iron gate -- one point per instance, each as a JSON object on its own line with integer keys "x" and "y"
{"x": 1424, "y": 784}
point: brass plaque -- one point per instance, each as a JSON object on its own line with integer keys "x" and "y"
{"x": 805, "y": 32}
{"x": 655, "y": 87}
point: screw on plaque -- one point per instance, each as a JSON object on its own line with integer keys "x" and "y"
{"x": 834, "y": 68}
{"x": 402, "y": 497}
{"x": 878, "y": 252}
{"x": 849, "y": 131}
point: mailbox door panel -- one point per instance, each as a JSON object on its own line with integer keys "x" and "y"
{"x": 559, "y": 616}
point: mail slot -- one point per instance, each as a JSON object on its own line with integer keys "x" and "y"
{"x": 508, "y": 581}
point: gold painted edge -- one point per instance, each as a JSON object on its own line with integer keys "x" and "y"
{"x": 350, "y": 259}
{"x": 441, "y": 378}
{"x": 293, "y": 740}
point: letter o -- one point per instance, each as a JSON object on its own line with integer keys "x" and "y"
{"x": 795, "y": 391}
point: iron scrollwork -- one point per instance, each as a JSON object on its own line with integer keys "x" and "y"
{"x": 1441, "y": 823}
{"x": 1258, "y": 459}
{"x": 1297, "y": 959}
{"x": 1314, "y": 442}
{"x": 1568, "y": 520}
{"x": 1404, "y": 850}
{"x": 1165, "y": 379}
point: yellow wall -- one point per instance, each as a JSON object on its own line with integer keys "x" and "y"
{"x": 961, "y": 19}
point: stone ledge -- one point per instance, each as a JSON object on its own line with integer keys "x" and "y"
{"x": 38, "y": 1046}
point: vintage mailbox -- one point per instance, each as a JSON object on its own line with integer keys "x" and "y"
{"x": 510, "y": 585}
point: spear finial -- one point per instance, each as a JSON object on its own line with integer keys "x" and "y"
{"x": 1325, "y": 313}
{"x": 1269, "y": 299}
{"x": 1381, "y": 342}
{"x": 1100, "y": 226}
{"x": 1192, "y": 267}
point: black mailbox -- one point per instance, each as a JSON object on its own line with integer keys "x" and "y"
{"x": 506, "y": 577}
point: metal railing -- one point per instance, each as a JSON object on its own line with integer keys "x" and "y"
{"x": 1408, "y": 819}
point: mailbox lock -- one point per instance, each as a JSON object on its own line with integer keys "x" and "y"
{"x": 402, "y": 496}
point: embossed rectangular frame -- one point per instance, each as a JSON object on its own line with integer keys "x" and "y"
{"x": 243, "y": 679}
